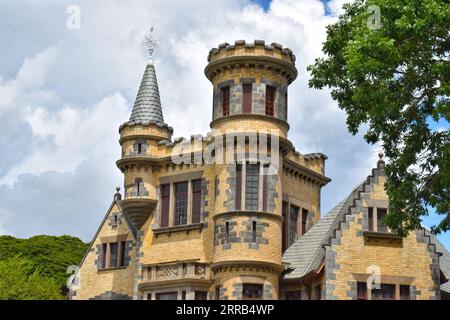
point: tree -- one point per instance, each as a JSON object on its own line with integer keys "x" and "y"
{"x": 394, "y": 81}
{"x": 18, "y": 281}
{"x": 50, "y": 256}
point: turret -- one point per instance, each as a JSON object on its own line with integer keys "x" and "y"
{"x": 139, "y": 139}
{"x": 250, "y": 85}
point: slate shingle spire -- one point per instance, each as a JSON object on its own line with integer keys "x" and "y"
{"x": 147, "y": 106}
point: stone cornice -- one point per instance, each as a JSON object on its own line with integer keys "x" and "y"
{"x": 263, "y": 214}
{"x": 297, "y": 168}
{"x": 249, "y": 116}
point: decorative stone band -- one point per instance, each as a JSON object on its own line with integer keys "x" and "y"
{"x": 312, "y": 176}
{"x": 261, "y": 214}
{"x": 236, "y": 265}
{"x": 287, "y": 69}
{"x": 145, "y": 123}
{"x": 247, "y": 116}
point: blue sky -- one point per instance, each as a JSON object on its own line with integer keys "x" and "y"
{"x": 64, "y": 92}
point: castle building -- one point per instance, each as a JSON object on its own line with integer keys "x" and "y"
{"x": 212, "y": 217}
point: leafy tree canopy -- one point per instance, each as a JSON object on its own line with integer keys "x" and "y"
{"x": 43, "y": 258}
{"x": 18, "y": 281}
{"x": 394, "y": 80}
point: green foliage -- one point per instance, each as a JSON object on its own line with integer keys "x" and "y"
{"x": 43, "y": 258}
{"x": 18, "y": 281}
{"x": 395, "y": 81}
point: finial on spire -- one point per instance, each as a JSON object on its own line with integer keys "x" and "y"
{"x": 150, "y": 43}
{"x": 380, "y": 163}
{"x": 118, "y": 196}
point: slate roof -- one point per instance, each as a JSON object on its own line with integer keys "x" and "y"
{"x": 444, "y": 261}
{"x": 147, "y": 106}
{"x": 307, "y": 253}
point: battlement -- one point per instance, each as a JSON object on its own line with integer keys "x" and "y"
{"x": 256, "y": 48}
{"x": 257, "y": 54}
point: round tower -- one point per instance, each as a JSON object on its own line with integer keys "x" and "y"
{"x": 250, "y": 88}
{"x": 139, "y": 139}
{"x": 250, "y": 85}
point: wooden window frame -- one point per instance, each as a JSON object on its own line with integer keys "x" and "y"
{"x": 196, "y": 200}
{"x": 248, "y": 286}
{"x": 373, "y": 220}
{"x": 181, "y": 204}
{"x": 247, "y": 93}
{"x": 285, "y": 225}
{"x": 165, "y": 205}
{"x": 304, "y": 220}
{"x": 271, "y": 92}
{"x": 293, "y": 224}
{"x": 238, "y": 195}
{"x": 225, "y": 100}
{"x": 252, "y": 191}
{"x": 200, "y": 295}
{"x": 254, "y": 228}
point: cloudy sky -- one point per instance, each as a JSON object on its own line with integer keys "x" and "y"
{"x": 64, "y": 92}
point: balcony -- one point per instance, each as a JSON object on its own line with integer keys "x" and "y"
{"x": 192, "y": 273}
{"x": 137, "y": 205}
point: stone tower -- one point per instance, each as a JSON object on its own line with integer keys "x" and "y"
{"x": 250, "y": 90}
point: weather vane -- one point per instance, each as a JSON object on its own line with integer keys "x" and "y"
{"x": 150, "y": 43}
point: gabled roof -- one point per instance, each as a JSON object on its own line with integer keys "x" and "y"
{"x": 129, "y": 224}
{"x": 307, "y": 253}
{"x": 147, "y": 106}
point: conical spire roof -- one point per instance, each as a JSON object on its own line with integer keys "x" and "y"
{"x": 147, "y": 106}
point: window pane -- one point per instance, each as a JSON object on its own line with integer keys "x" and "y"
{"x": 252, "y": 291}
{"x": 114, "y": 257}
{"x": 370, "y": 217}
{"x": 293, "y": 295}
{"x": 405, "y": 292}
{"x": 238, "y": 197}
{"x": 201, "y": 295}
{"x": 304, "y": 220}
{"x": 225, "y": 98}
{"x": 165, "y": 201}
{"x": 247, "y": 99}
{"x": 104, "y": 248}
{"x": 196, "y": 200}
{"x": 181, "y": 203}
{"x": 293, "y": 221}
{"x": 386, "y": 292}
{"x": 122, "y": 254}
{"x": 252, "y": 187}
{"x": 167, "y": 296}
{"x": 284, "y": 209}
{"x": 381, "y": 213}
{"x": 270, "y": 100}
{"x": 362, "y": 290}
